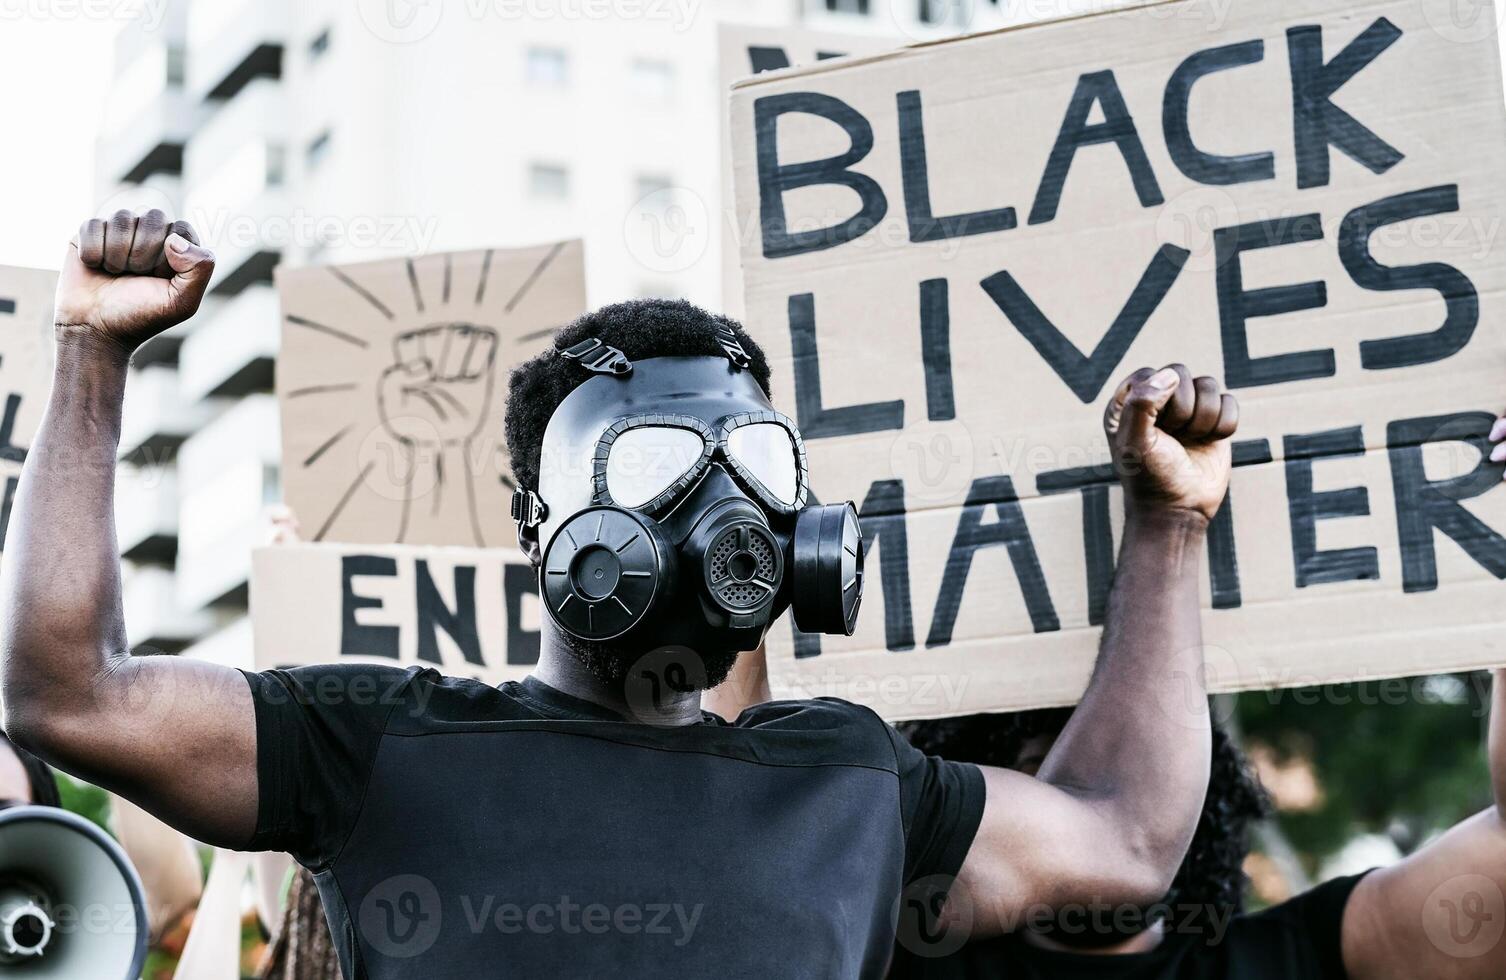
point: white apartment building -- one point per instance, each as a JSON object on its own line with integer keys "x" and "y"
{"x": 334, "y": 130}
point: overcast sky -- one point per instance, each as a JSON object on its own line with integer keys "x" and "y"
{"x": 53, "y": 76}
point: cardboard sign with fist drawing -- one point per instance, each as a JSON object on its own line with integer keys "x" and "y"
{"x": 391, "y": 382}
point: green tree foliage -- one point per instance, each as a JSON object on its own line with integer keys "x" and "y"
{"x": 1405, "y": 757}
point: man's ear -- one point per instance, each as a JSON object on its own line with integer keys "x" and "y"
{"x": 528, "y": 541}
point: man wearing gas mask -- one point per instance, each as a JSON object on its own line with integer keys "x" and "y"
{"x": 592, "y": 820}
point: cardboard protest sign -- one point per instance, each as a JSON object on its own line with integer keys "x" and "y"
{"x": 747, "y": 49}
{"x": 963, "y": 245}
{"x": 391, "y": 380}
{"x": 25, "y": 370}
{"x": 467, "y": 612}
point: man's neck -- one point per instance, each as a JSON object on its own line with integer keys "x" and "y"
{"x": 659, "y": 705}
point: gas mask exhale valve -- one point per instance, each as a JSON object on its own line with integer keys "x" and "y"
{"x": 673, "y": 510}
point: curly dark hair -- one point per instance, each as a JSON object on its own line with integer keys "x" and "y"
{"x": 640, "y": 328}
{"x": 1212, "y": 874}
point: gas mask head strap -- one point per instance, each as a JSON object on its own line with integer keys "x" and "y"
{"x": 599, "y": 357}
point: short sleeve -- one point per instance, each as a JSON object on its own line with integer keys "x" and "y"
{"x": 942, "y": 805}
{"x": 1315, "y": 919}
{"x": 317, "y": 733}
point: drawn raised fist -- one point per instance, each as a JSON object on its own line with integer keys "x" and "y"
{"x": 439, "y": 388}
{"x": 1169, "y": 434}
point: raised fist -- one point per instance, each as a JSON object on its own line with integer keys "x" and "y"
{"x": 131, "y": 277}
{"x": 1169, "y": 434}
{"x": 439, "y": 388}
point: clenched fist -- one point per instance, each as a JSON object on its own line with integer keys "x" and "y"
{"x": 131, "y": 277}
{"x": 1169, "y": 434}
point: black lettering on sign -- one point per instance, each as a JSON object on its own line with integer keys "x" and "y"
{"x": 817, "y": 422}
{"x": 936, "y": 349}
{"x": 9, "y": 451}
{"x": 5, "y": 505}
{"x": 355, "y": 638}
{"x": 882, "y": 518}
{"x": 1210, "y": 168}
{"x": 924, "y": 226}
{"x": 1101, "y": 89}
{"x": 1307, "y": 507}
{"x": 1097, "y": 532}
{"x": 1223, "y": 557}
{"x": 1086, "y": 375}
{"x": 434, "y": 615}
{"x": 775, "y": 179}
{"x": 1461, "y": 302}
{"x": 1317, "y": 123}
{"x": 762, "y": 58}
{"x": 1237, "y": 305}
{"x": 1423, "y": 505}
{"x": 517, "y": 581}
{"x": 1009, "y": 530}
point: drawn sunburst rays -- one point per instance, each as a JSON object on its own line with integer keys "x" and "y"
{"x": 381, "y": 302}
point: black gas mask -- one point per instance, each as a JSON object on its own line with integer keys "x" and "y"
{"x": 673, "y": 509}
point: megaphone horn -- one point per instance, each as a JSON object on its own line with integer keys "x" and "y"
{"x": 71, "y": 905}
{"x": 25, "y": 922}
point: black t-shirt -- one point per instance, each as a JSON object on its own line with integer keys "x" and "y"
{"x": 458, "y": 830}
{"x": 1296, "y": 940}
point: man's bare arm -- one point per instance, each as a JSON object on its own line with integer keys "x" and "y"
{"x": 1117, "y": 799}
{"x": 1439, "y": 914}
{"x": 177, "y": 737}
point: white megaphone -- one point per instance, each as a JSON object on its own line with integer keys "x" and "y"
{"x": 70, "y": 903}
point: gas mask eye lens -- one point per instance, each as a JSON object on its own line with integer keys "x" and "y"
{"x": 644, "y": 462}
{"x": 766, "y": 450}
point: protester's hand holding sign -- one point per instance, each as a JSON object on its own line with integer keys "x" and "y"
{"x": 176, "y": 736}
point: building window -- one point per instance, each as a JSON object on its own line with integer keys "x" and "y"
{"x": 653, "y": 81}
{"x": 317, "y": 150}
{"x": 654, "y": 190}
{"x": 943, "y": 12}
{"x": 276, "y": 165}
{"x": 177, "y": 65}
{"x": 319, "y": 45}
{"x": 548, "y": 181}
{"x": 847, "y": 6}
{"x": 546, "y": 66}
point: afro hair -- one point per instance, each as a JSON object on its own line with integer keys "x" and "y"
{"x": 641, "y": 329}
{"x": 1212, "y": 873}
